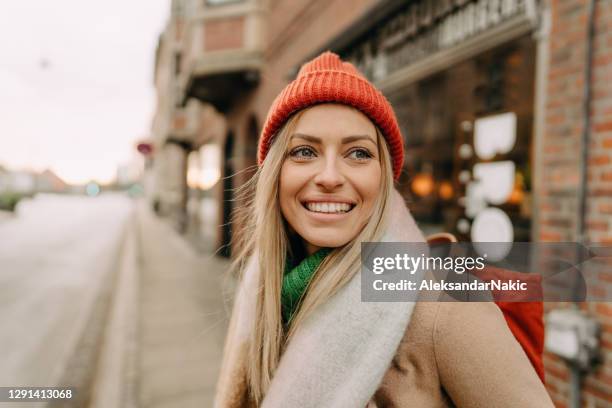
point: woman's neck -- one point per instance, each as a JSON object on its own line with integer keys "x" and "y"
{"x": 300, "y": 248}
{"x": 311, "y": 249}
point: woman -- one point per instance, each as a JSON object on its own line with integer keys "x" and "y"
{"x": 299, "y": 335}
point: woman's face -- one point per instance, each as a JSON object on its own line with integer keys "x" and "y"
{"x": 331, "y": 176}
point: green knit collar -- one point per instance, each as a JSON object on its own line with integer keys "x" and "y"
{"x": 296, "y": 280}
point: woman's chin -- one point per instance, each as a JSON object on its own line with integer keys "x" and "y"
{"x": 328, "y": 240}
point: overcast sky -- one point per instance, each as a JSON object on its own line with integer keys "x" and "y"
{"x": 76, "y": 87}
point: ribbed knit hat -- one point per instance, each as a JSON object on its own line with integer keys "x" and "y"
{"x": 329, "y": 79}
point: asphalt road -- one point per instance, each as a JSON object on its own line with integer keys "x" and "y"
{"x": 54, "y": 256}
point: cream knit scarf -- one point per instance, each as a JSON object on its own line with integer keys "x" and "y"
{"x": 339, "y": 355}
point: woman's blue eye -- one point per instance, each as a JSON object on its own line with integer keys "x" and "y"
{"x": 302, "y": 153}
{"x": 360, "y": 154}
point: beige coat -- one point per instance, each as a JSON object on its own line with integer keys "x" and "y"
{"x": 452, "y": 354}
{"x": 460, "y": 354}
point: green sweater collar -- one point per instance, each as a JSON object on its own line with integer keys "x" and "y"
{"x": 296, "y": 280}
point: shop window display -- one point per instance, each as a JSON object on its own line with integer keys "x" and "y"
{"x": 468, "y": 145}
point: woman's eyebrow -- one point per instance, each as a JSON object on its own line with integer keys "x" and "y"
{"x": 345, "y": 140}
{"x": 350, "y": 139}
{"x": 309, "y": 138}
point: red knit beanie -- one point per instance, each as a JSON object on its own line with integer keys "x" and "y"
{"x": 328, "y": 79}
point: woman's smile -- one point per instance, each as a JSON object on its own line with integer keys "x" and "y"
{"x": 328, "y": 211}
{"x": 328, "y": 205}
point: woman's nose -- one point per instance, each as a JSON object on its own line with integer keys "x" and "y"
{"x": 329, "y": 176}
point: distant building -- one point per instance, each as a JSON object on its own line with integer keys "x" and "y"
{"x": 49, "y": 182}
{"x": 20, "y": 182}
{"x": 28, "y": 182}
{"x": 4, "y": 182}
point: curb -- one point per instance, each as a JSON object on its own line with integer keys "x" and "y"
{"x": 114, "y": 383}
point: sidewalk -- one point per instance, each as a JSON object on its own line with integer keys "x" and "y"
{"x": 183, "y": 318}
{"x": 169, "y": 316}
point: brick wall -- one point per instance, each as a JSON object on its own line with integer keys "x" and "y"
{"x": 558, "y": 209}
{"x": 600, "y": 165}
{"x": 222, "y": 34}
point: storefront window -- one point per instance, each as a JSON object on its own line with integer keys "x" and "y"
{"x": 468, "y": 133}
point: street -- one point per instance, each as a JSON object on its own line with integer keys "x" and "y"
{"x": 55, "y": 255}
{"x": 98, "y": 294}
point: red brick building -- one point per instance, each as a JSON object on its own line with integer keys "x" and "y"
{"x": 506, "y": 107}
{"x": 575, "y": 192}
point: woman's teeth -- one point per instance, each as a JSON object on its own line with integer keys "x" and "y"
{"x": 329, "y": 207}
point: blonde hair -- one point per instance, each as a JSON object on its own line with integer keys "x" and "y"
{"x": 265, "y": 232}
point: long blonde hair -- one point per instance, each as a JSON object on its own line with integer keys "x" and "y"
{"x": 264, "y": 231}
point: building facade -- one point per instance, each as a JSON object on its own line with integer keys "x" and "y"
{"x": 505, "y": 105}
